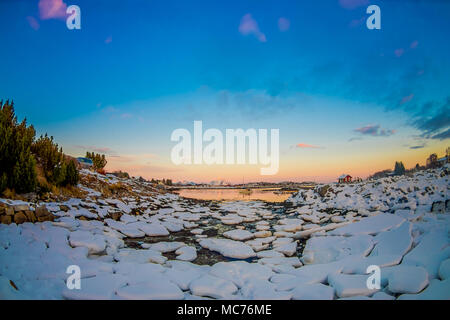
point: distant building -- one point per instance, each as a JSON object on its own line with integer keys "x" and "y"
{"x": 442, "y": 161}
{"x": 85, "y": 163}
{"x": 345, "y": 178}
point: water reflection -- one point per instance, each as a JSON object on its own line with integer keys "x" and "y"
{"x": 269, "y": 195}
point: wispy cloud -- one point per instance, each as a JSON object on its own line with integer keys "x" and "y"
{"x": 352, "y": 4}
{"x": 284, "y": 24}
{"x": 357, "y": 22}
{"x": 249, "y": 26}
{"x": 52, "y": 9}
{"x": 399, "y": 52}
{"x": 414, "y": 44}
{"x": 126, "y": 115}
{"x": 417, "y": 147}
{"x": 407, "y": 98}
{"x": 374, "y": 130}
{"x": 34, "y": 24}
{"x": 104, "y": 150}
{"x": 435, "y": 125}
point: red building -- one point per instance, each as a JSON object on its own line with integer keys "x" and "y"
{"x": 345, "y": 178}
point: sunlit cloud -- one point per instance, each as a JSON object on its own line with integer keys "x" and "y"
{"x": 249, "y": 26}
{"x": 52, "y": 9}
{"x": 306, "y": 146}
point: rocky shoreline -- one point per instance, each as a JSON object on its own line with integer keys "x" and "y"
{"x": 132, "y": 241}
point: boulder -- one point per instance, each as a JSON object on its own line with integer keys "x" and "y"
{"x": 20, "y": 207}
{"x": 42, "y": 211}
{"x": 31, "y": 217}
{"x": 116, "y": 216}
{"x": 20, "y": 217}
{"x": 5, "y": 219}
{"x": 9, "y": 211}
{"x": 438, "y": 207}
{"x": 323, "y": 190}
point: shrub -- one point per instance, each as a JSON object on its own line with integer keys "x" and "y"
{"x": 56, "y": 168}
{"x": 50, "y": 157}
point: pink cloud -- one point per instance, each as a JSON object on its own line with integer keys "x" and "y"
{"x": 33, "y": 23}
{"x": 249, "y": 26}
{"x": 399, "y": 52}
{"x": 52, "y": 9}
{"x": 284, "y": 24}
{"x": 414, "y": 44}
{"x": 305, "y": 145}
{"x": 352, "y": 4}
{"x": 407, "y": 98}
{"x": 108, "y": 40}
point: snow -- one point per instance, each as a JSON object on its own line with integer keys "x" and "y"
{"x": 370, "y": 225}
{"x": 211, "y": 286}
{"x": 240, "y": 235}
{"x": 347, "y": 285}
{"x": 229, "y": 248}
{"x": 186, "y": 253}
{"x": 239, "y": 272}
{"x": 406, "y": 279}
{"x": 332, "y": 248}
{"x": 95, "y": 243}
{"x": 101, "y": 287}
{"x": 389, "y": 222}
{"x": 444, "y": 270}
{"x": 437, "y": 290}
{"x": 159, "y": 288}
{"x": 165, "y": 247}
{"x": 316, "y": 291}
{"x": 154, "y": 229}
{"x": 288, "y": 249}
{"x": 432, "y": 250}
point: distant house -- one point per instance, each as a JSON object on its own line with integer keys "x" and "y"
{"x": 442, "y": 161}
{"x": 85, "y": 163}
{"x": 345, "y": 178}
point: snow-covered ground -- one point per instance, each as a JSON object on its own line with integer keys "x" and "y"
{"x": 318, "y": 248}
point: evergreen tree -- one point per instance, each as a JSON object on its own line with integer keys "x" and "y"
{"x": 17, "y": 163}
{"x": 72, "y": 176}
{"x": 399, "y": 168}
{"x": 98, "y": 160}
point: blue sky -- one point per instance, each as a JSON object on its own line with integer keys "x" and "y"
{"x": 137, "y": 70}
